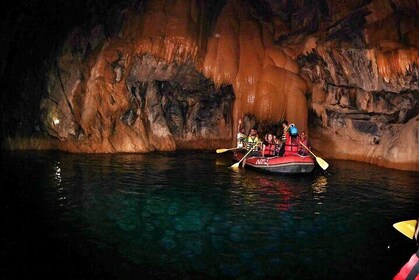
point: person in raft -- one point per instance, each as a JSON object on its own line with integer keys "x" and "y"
{"x": 268, "y": 146}
{"x": 290, "y": 139}
{"x": 252, "y": 141}
{"x": 240, "y": 135}
{"x": 285, "y": 128}
{"x": 410, "y": 271}
{"x": 278, "y": 145}
{"x": 303, "y": 138}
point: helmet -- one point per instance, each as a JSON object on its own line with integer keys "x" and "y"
{"x": 293, "y": 130}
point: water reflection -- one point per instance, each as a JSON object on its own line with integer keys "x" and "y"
{"x": 192, "y": 213}
{"x": 192, "y": 216}
{"x": 57, "y": 173}
{"x": 319, "y": 187}
{"x": 277, "y": 192}
{"x": 62, "y": 198}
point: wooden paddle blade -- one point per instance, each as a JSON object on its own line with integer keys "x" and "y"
{"x": 323, "y": 164}
{"x": 406, "y": 227}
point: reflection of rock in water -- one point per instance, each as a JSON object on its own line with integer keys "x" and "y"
{"x": 319, "y": 189}
{"x": 320, "y": 185}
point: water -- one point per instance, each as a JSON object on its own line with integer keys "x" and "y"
{"x": 189, "y": 216}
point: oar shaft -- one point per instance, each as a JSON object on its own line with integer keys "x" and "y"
{"x": 323, "y": 164}
{"x": 308, "y": 149}
{"x": 237, "y": 164}
{"x": 251, "y": 150}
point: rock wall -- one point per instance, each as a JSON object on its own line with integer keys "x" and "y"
{"x": 165, "y": 75}
{"x": 365, "y": 90}
{"x": 100, "y": 81}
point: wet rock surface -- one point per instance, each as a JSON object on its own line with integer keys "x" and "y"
{"x": 140, "y": 76}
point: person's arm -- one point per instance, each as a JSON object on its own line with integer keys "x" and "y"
{"x": 239, "y": 126}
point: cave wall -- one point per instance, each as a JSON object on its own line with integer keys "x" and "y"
{"x": 365, "y": 87}
{"x": 95, "y": 78}
{"x": 141, "y": 76}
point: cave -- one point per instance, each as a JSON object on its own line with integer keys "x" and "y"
{"x": 143, "y": 76}
{"x": 119, "y": 125}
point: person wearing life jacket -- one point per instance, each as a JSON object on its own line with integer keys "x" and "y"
{"x": 268, "y": 146}
{"x": 410, "y": 271}
{"x": 303, "y": 138}
{"x": 252, "y": 140}
{"x": 278, "y": 145}
{"x": 285, "y": 128}
{"x": 291, "y": 140}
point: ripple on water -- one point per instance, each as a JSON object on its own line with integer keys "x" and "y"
{"x": 191, "y": 213}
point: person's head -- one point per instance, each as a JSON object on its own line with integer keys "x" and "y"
{"x": 242, "y": 130}
{"x": 269, "y": 137}
{"x": 253, "y": 132}
{"x": 303, "y": 134}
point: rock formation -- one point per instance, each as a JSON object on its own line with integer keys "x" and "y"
{"x": 166, "y": 75}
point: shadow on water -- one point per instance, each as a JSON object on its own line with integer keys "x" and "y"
{"x": 188, "y": 215}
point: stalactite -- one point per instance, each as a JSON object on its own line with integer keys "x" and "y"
{"x": 397, "y": 62}
{"x": 272, "y": 69}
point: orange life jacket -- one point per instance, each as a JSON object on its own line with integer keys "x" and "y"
{"x": 291, "y": 145}
{"x": 269, "y": 149}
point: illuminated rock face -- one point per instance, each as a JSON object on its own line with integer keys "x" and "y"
{"x": 365, "y": 87}
{"x": 363, "y": 117}
{"x": 166, "y": 83}
{"x": 178, "y": 76}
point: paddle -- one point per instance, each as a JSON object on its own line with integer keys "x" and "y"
{"x": 219, "y": 151}
{"x": 237, "y": 164}
{"x": 323, "y": 164}
{"x": 406, "y": 227}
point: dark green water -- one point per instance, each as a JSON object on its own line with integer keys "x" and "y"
{"x": 189, "y": 216}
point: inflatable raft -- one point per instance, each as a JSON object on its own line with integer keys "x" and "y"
{"x": 290, "y": 164}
